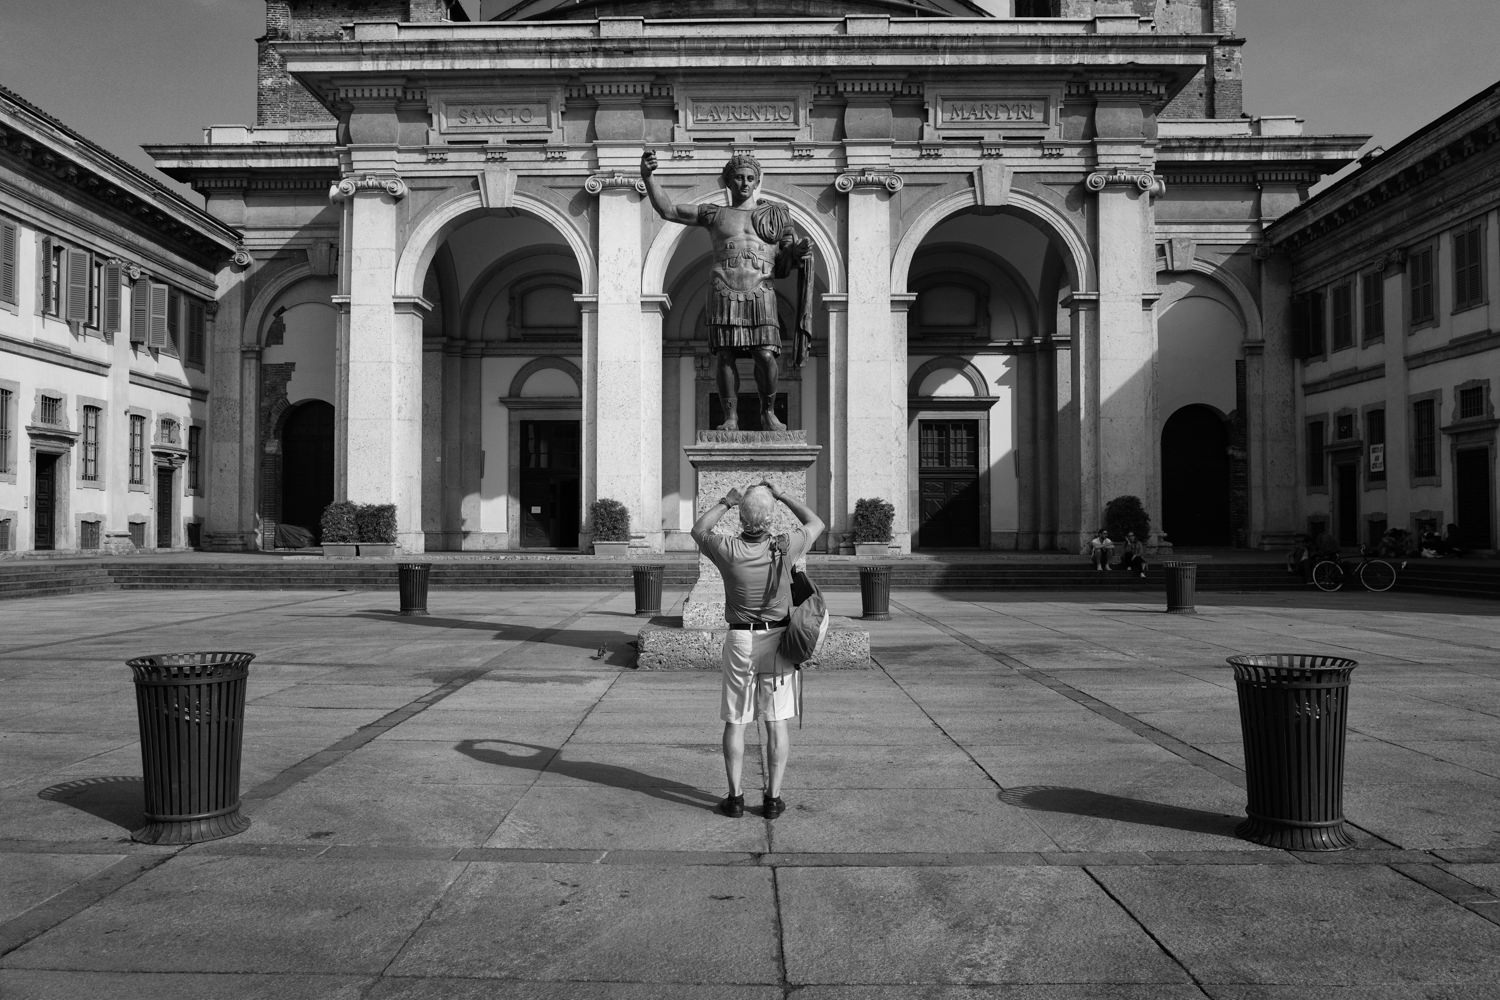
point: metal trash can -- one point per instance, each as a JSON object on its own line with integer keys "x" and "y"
{"x": 647, "y": 589}
{"x": 875, "y": 592}
{"x": 1293, "y": 717}
{"x": 192, "y": 719}
{"x": 412, "y": 579}
{"x": 1182, "y": 582}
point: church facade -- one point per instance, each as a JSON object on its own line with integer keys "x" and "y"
{"x": 1041, "y": 275}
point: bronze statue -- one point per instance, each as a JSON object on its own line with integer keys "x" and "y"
{"x": 754, "y": 243}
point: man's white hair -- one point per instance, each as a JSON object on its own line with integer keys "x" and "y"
{"x": 756, "y": 510}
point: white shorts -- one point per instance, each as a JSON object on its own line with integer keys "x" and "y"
{"x": 754, "y": 690}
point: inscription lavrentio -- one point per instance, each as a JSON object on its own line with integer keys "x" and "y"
{"x": 732, "y": 114}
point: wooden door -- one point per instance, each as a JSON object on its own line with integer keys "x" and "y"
{"x": 551, "y": 469}
{"x": 165, "y": 506}
{"x": 44, "y": 534}
{"x": 948, "y": 484}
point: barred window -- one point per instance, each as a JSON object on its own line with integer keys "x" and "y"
{"x": 1471, "y": 402}
{"x": 138, "y": 534}
{"x": 1424, "y": 438}
{"x": 7, "y": 464}
{"x": 137, "y": 450}
{"x": 50, "y": 411}
{"x": 88, "y": 534}
{"x": 91, "y": 444}
{"x": 1372, "y": 300}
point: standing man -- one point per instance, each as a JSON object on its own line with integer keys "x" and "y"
{"x": 757, "y": 601}
{"x": 754, "y": 242}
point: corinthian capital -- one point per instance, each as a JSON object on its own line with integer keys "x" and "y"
{"x": 888, "y": 179}
{"x": 350, "y": 186}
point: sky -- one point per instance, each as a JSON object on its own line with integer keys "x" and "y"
{"x": 129, "y": 72}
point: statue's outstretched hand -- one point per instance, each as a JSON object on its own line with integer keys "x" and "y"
{"x": 648, "y": 163}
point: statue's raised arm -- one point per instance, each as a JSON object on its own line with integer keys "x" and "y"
{"x": 754, "y": 243}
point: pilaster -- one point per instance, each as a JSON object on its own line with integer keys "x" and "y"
{"x": 229, "y": 456}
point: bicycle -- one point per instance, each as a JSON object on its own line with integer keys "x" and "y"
{"x": 1373, "y": 574}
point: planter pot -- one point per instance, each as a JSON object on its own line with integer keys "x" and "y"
{"x": 379, "y": 550}
{"x": 871, "y": 550}
{"x": 340, "y": 549}
{"x": 612, "y": 550}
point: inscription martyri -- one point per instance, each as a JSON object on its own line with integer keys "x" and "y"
{"x": 972, "y": 112}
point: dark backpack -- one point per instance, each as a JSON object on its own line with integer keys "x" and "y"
{"x": 808, "y": 622}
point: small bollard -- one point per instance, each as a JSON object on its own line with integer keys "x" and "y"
{"x": 411, "y": 578}
{"x": 191, "y": 708}
{"x": 1182, "y": 579}
{"x": 1293, "y": 719}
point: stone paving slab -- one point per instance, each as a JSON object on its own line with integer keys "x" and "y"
{"x": 1026, "y": 798}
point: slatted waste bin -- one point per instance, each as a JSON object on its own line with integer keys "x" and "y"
{"x": 647, "y": 580}
{"x": 875, "y": 592}
{"x": 192, "y": 719}
{"x": 1182, "y": 585}
{"x": 1293, "y": 718}
{"x": 411, "y": 578}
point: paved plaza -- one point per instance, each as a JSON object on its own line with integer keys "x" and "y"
{"x": 1029, "y": 797}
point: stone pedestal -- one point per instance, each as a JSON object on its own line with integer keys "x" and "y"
{"x": 726, "y": 460}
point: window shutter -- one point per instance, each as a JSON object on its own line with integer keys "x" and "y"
{"x": 140, "y": 313}
{"x": 7, "y": 262}
{"x": 196, "y": 330}
{"x": 44, "y": 275}
{"x": 112, "y": 297}
{"x": 78, "y": 265}
{"x": 158, "y": 316}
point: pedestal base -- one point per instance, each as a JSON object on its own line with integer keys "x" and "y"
{"x": 665, "y": 645}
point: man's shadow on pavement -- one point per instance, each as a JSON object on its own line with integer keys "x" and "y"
{"x": 1101, "y": 805}
{"x": 550, "y": 759}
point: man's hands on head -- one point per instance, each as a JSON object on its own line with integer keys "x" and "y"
{"x": 769, "y": 488}
{"x": 732, "y": 498}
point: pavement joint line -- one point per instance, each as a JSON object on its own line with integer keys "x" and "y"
{"x": 156, "y": 626}
{"x": 40, "y": 919}
{"x": 1155, "y": 938}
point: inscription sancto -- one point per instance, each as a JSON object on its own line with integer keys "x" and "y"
{"x": 523, "y": 115}
{"x": 1009, "y": 112}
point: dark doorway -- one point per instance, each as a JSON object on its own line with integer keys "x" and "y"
{"x": 1472, "y": 497}
{"x": 948, "y": 484}
{"x": 1195, "y": 508}
{"x": 44, "y": 533}
{"x": 1346, "y": 504}
{"x": 164, "y": 506}
{"x": 307, "y": 465}
{"x": 550, "y": 471}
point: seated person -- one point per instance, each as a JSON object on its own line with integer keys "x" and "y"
{"x": 1100, "y": 547}
{"x": 1133, "y": 555}
{"x": 1300, "y": 559}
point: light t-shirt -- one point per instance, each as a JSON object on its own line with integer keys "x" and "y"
{"x": 747, "y": 569}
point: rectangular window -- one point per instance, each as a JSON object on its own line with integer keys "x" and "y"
{"x": 1419, "y": 268}
{"x": 110, "y": 320}
{"x": 140, "y": 312}
{"x": 5, "y": 535}
{"x": 91, "y": 444}
{"x": 137, "y": 450}
{"x": 1424, "y": 438}
{"x": 1468, "y": 267}
{"x": 1471, "y": 402}
{"x": 50, "y": 411}
{"x": 7, "y": 398}
{"x": 1372, "y": 302}
{"x": 1342, "y": 300}
{"x": 194, "y": 458}
{"x": 158, "y": 316}
{"x": 1315, "y": 462}
{"x": 9, "y": 243}
{"x": 197, "y": 328}
{"x": 1375, "y": 442}
{"x": 88, "y": 534}
{"x": 80, "y": 271}
{"x": 1312, "y": 325}
{"x": 138, "y": 534}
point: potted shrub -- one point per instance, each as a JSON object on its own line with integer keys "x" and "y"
{"x": 377, "y": 529}
{"x": 611, "y": 522}
{"x": 872, "y": 526}
{"x": 340, "y": 529}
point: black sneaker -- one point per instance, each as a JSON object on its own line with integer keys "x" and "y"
{"x": 733, "y": 806}
{"x": 773, "y": 807}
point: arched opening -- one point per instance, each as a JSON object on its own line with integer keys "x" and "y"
{"x": 1195, "y": 480}
{"x": 307, "y": 465}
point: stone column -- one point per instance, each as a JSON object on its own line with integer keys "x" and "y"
{"x": 380, "y": 419}
{"x": 229, "y": 457}
{"x": 1118, "y": 391}
{"x": 623, "y": 364}
{"x": 875, "y": 378}
{"x": 1273, "y": 421}
{"x": 1077, "y": 424}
